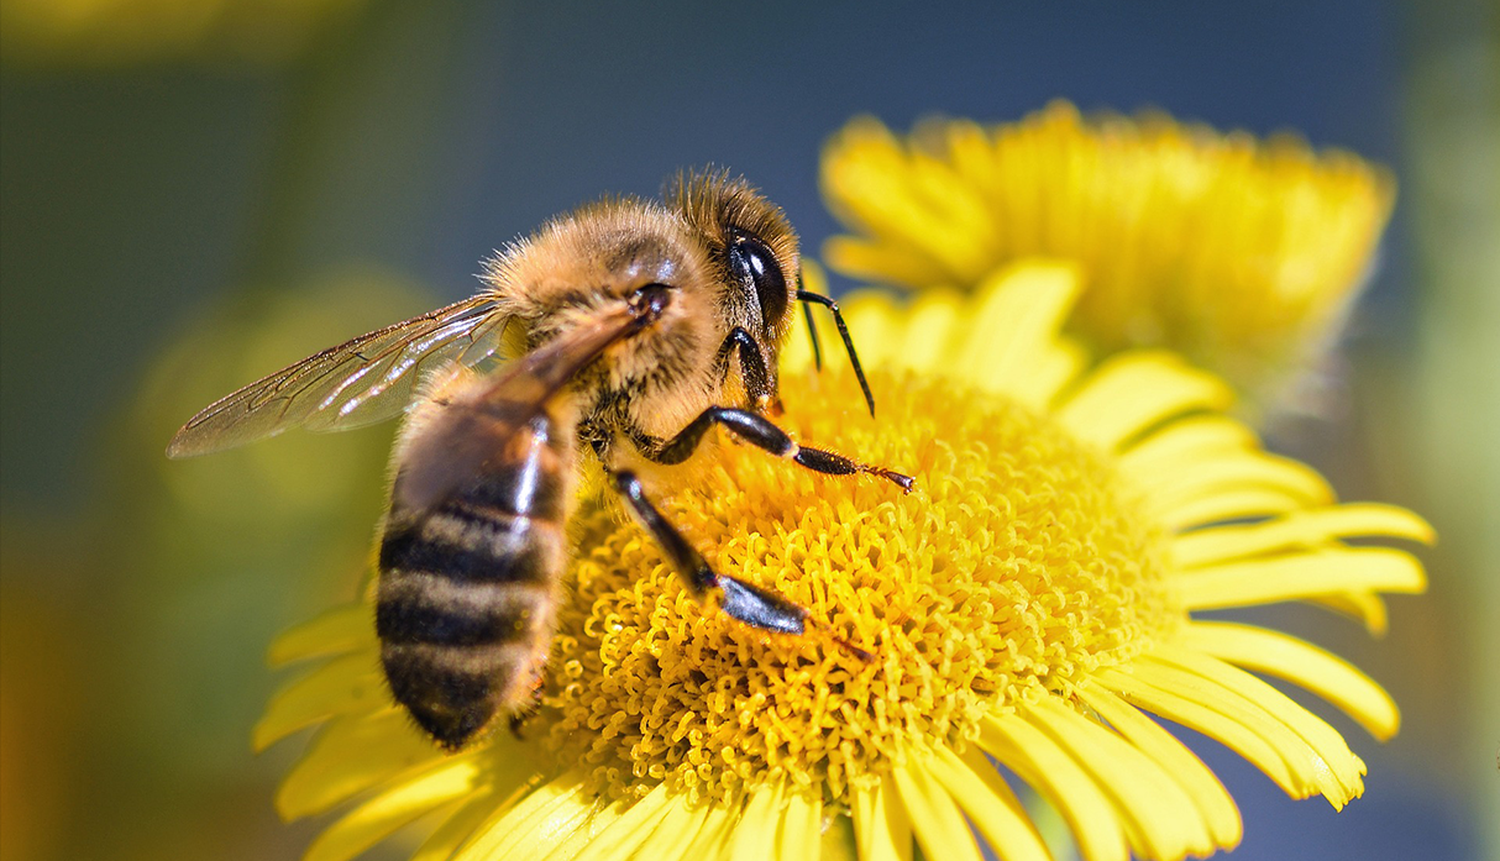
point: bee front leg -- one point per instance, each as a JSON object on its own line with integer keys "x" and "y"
{"x": 759, "y": 431}
{"x": 749, "y": 604}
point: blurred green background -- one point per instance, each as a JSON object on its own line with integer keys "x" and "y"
{"x": 196, "y": 192}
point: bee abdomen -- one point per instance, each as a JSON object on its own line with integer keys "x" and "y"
{"x": 463, "y": 543}
{"x": 420, "y": 607}
{"x": 464, "y": 613}
{"x": 455, "y": 691}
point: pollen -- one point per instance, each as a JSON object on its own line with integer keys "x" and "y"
{"x": 1016, "y": 567}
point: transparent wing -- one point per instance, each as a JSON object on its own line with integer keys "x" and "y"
{"x": 457, "y": 442}
{"x": 366, "y": 380}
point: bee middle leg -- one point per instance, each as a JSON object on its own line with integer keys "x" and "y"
{"x": 761, "y": 432}
{"x": 740, "y": 600}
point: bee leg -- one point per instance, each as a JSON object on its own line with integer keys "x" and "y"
{"x": 752, "y": 366}
{"x": 749, "y": 604}
{"x": 528, "y": 711}
{"x": 759, "y": 431}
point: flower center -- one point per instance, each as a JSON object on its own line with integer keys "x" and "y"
{"x": 1017, "y": 566}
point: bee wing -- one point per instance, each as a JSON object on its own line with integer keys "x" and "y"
{"x": 470, "y": 430}
{"x": 363, "y": 381}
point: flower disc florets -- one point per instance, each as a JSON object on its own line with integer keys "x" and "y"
{"x": 1017, "y": 565}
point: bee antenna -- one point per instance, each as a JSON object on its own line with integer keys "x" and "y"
{"x": 812, "y": 331}
{"x": 838, "y": 320}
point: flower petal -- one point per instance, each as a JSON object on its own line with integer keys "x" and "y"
{"x": 1131, "y": 392}
{"x": 629, "y": 824}
{"x": 674, "y": 833}
{"x": 1213, "y": 801}
{"x": 1182, "y": 488}
{"x": 1230, "y": 505}
{"x": 444, "y": 841}
{"x": 1183, "y": 444}
{"x": 989, "y": 803}
{"x": 1011, "y": 326}
{"x": 940, "y": 827}
{"x": 1367, "y": 607}
{"x": 347, "y": 757}
{"x": 1301, "y": 663}
{"x": 876, "y": 262}
{"x": 347, "y": 685}
{"x": 1299, "y": 575}
{"x": 1331, "y": 751}
{"x": 801, "y": 823}
{"x": 378, "y": 818}
{"x": 925, "y": 344}
{"x": 332, "y": 632}
{"x": 718, "y": 830}
{"x": 1299, "y": 529}
{"x": 1038, "y": 760}
{"x": 1163, "y": 819}
{"x": 882, "y": 829}
{"x": 551, "y": 809}
{"x": 755, "y": 837}
{"x": 1201, "y": 711}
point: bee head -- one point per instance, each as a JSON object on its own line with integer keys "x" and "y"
{"x": 753, "y": 249}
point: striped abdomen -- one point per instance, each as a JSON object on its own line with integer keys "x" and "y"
{"x": 467, "y": 586}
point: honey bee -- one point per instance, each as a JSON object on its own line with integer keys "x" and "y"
{"x": 636, "y": 326}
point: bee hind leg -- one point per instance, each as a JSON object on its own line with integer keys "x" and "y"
{"x": 750, "y": 604}
{"x": 757, "y": 607}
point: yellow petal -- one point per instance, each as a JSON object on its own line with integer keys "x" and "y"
{"x": 1327, "y": 745}
{"x": 876, "y": 262}
{"x": 989, "y": 803}
{"x": 347, "y": 685}
{"x": 627, "y": 828}
{"x": 678, "y": 829}
{"x": 1026, "y": 750}
{"x": 1367, "y": 607}
{"x": 1301, "y": 575}
{"x": 882, "y": 830}
{"x": 718, "y": 830}
{"x": 755, "y": 837}
{"x": 1011, "y": 326}
{"x": 1208, "y": 481}
{"x": 1213, "y": 801}
{"x": 551, "y": 809}
{"x": 1187, "y": 441}
{"x": 1132, "y": 391}
{"x": 929, "y": 321}
{"x": 801, "y": 822}
{"x": 1300, "y": 529}
{"x": 939, "y": 826}
{"x": 1301, "y": 663}
{"x": 1164, "y": 818}
{"x": 336, "y": 631}
{"x": 1304, "y": 759}
{"x": 350, "y": 755}
{"x": 378, "y": 818}
{"x": 1230, "y": 505}
{"x": 1202, "y": 711}
{"x": 462, "y": 823}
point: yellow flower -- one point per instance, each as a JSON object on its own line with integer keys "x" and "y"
{"x": 126, "y": 32}
{"x": 1029, "y": 604}
{"x": 1243, "y": 256}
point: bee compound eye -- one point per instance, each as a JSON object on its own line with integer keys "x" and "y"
{"x": 754, "y": 266}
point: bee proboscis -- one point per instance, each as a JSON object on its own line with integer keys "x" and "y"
{"x": 638, "y": 326}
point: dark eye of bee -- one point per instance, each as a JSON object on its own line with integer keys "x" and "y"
{"x": 754, "y": 265}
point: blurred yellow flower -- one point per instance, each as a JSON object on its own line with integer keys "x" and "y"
{"x": 1029, "y": 606}
{"x": 1242, "y": 255}
{"x": 122, "y": 32}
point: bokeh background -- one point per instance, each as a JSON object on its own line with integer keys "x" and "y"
{"x": 196, "y": 192}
